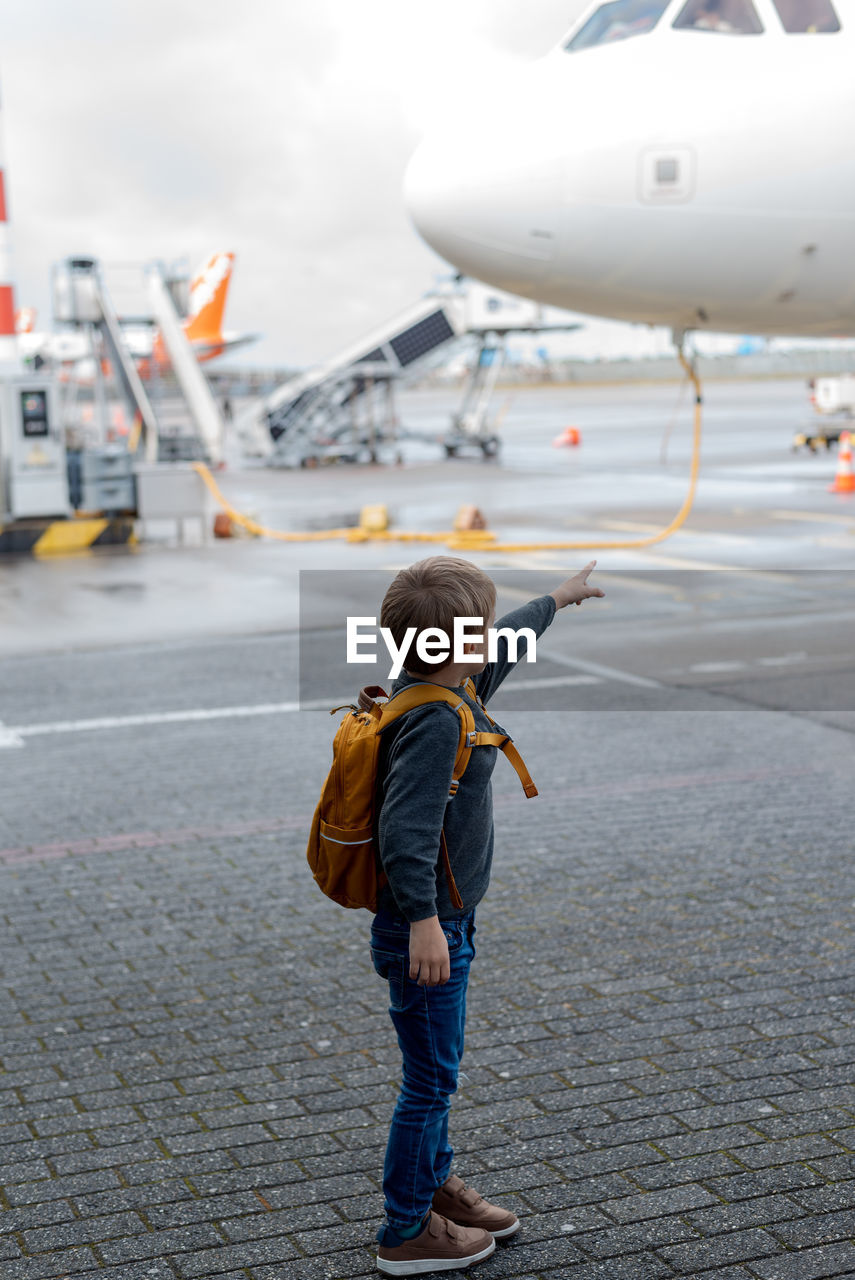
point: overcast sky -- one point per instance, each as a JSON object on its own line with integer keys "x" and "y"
{"x": 279, "y": 129}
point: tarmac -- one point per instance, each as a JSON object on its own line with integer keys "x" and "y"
{"x": 196, "y": 1064}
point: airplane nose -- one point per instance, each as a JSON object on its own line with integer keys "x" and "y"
{"x": 490, "y": 212}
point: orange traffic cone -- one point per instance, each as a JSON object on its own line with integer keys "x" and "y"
{"x": 569, "y": 436}
{"x": 844, "y": 477}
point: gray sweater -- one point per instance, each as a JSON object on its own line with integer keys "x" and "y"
{"x": 416, "y": 764}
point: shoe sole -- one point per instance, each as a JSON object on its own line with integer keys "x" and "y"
{"x": 508, "y": 1231}
{"x": 421, "y": 1266}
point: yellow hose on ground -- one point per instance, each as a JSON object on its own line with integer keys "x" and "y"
{"x": 479, "y": 539}
{"x": 473, "y": 539}
{"x": 621, "y": 544}
{"x": 260, "y": 530}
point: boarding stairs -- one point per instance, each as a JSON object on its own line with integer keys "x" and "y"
{"x": 122, "y": 362}
{"x": 344, "y": 409}
{"x": 194, "y": 416}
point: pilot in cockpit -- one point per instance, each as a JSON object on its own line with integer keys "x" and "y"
{"x": 635, "y": 21}
{"x": 730, "y": 17}
{"x": 807, "y": 16}
{"x": 709, "y": 17}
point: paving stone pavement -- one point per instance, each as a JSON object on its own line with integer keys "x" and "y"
{"x": 196, "y": 1065}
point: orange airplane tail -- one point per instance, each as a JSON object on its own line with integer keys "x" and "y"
{"x": 208, "y": 290}
{"x": 25, "y": 320}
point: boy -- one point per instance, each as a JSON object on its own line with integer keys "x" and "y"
{"x": 421, "y": 943}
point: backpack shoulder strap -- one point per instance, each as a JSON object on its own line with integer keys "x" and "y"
{"x": 419, "y": 695}
{"x": 504, "y": 743}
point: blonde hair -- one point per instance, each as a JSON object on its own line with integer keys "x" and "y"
{"x": 432, "y": 593}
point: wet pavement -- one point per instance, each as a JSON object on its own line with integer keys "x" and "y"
{"x": 196, "y": 1065}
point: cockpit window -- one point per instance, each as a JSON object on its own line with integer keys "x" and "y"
{"x": 807, "y": 15}
{"x": 728, "y": 17}
{"x": 618, "y": 21}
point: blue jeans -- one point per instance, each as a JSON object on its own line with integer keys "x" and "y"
{"x": 430, "y": 1024}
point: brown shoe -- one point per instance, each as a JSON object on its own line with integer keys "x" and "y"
{"x": 463, "y": 1205}
{"x": 442, "y": 1246}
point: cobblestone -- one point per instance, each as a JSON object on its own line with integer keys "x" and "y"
{"x": 658, "y": 1076}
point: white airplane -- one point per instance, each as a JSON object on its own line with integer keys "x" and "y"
{"x": 672, "y": 162}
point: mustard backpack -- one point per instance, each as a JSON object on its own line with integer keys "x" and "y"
{"x": 343, "y": 851}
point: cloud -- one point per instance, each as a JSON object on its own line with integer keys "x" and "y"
{"x": 278, "y": 131}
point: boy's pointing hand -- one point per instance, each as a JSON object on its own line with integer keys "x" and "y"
{"x": 576, "y": 589}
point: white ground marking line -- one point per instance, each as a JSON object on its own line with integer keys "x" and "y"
{"x": 548, "y": 682}
{"x": 712, "y": 668}
{"x": 15, "y": 736}
{"x": 783, "y": 660}
{"x": 169, "y": 717}
{"x": 774, "y": 661}
{"x": 598, "y": 669}
{"x": 10, "y": 737}
{"x": 835, "y": 540}
{"x": 155, "y": 717}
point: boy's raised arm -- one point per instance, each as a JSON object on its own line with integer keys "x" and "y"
{"x": 536, "y": 615}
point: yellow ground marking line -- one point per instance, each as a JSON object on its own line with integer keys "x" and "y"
{"x": 635, "y": 526}
{"x": 814, "y": 517}
{"x": 640, "y": 584}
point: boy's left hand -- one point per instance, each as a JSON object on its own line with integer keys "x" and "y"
{"x": 574, "y": 590}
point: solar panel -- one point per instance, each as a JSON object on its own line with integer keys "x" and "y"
{"x": 422, "y": 337}
{"x": 377, "y": 356}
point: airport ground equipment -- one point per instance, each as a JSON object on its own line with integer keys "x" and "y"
{"x": 470, "y": 425}
{"x": 815, "y": 438}
{"x": 330, "y": 411}
{"x": 173, "y": 492}
{"x": 102, "y": 479}
{"x": 33, "y": 479}
{"x": 473, "y": 538}
{"x": 201, "y": 402}
{"x": 36, "y": 514}
{"x": 344, "y": 410}
{"x": 834, "y": 401}
{"x": 80, "y": 298}
{"x": 835, "y": 395}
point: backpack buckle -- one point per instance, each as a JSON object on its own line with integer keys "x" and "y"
{"x": 471, "y": 739}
